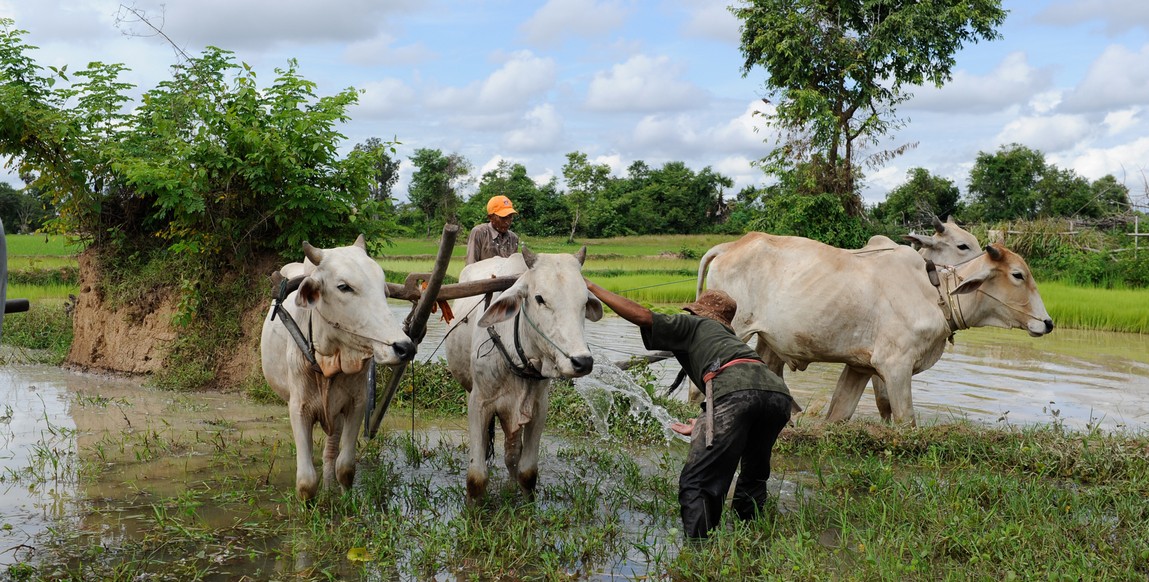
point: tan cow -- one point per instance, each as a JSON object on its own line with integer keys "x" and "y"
{"x": 506, "y": 355}
{"x": 876, "y": 312}
{"x": 341, "y": 306}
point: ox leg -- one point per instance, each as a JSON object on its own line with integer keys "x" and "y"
{"x": 512, "y": 447}
{"x": 881, "y": 398}
{"x": 479, "y": 417}
{"x": 851, "y": 384}
{"x": 331, "y": 451}
{"x": 898, "y": 391}
{"x": 345, "y": 464}
{"x": 532, "y": 438}
{"x": 306, "y": 480}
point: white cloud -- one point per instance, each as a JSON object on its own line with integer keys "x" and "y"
{"x": 1128, "y": 161}
{"x": 542, "y": 128}
{"x": 1053, "y": 133}
{"x": 1118, "y": 122}
{"x": 558, "y": 20}
{"x": 711, "y": 19}
{"x": 643, "y": 83}
{"x": 1011, "y": 84}
{"x": 521, "y": 79}
{"x": 379, "y": 50}
{"x": 1118, "y": 78}
{"x": 385, "y": 98}
{"x": 1117, "y": 16}
{"x": 684, "y": 136}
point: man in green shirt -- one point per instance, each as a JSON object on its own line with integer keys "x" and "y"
{"x": 748, "y": 405}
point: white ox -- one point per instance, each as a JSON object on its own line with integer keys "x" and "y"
{"x": 540, "y": 318}
{"x": 343, "y": 302}
{"x": 876, "y": 312}
{"x": 950, "y": 244}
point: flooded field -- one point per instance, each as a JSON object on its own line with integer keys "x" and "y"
{"x": 88, "y": 456}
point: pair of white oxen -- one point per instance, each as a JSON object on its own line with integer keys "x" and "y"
{"x": 873, "y": 309}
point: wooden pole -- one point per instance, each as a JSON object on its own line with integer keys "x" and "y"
{"x": 416, "y": 326}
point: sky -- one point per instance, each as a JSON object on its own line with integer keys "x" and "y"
{"x": 629, "y": 80}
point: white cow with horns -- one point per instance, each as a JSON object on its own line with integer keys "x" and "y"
{"x": 506, "y": 355}
{"x": 341, "y": 306}
{"x": 876, "y": 312}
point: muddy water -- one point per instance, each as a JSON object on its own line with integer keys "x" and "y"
{"x": 1074, "y": 377}
{"x": 142, "y": 445}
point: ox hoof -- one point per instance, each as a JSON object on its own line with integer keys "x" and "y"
{"x": 476, "y": 490}
{"x": 529, "y": 480}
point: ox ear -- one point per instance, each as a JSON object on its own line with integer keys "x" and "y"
{"x": 360, "y": 242}
{"x": 972, "y": 284}
{"x": 581, "y": 255}
{"x": 308, "y": 293}
{"x": 593, "y": 307}
{"x": 313, "y": 254}
{"x": 920, "y": 240}
{"x": 505, "y": 307}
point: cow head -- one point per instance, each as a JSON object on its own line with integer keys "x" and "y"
{"x": 949, "y": 245}
{"x": 1008, "y": 297}
{"x": 554, "y": 301}
{"x": 348, "y": 293}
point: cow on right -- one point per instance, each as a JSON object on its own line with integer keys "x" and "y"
{"x": 878, "y": 312}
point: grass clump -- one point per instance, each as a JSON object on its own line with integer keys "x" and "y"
{"x": 46, "y": 329}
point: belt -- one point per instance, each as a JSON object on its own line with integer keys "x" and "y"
{"x": 708, "y": 376}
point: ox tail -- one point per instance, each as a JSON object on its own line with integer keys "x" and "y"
{"x": 704, "y": 265}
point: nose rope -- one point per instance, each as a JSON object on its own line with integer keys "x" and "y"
{"x": 1012, "y": 308}
{"x": 345, "y": 329}
{"x": 530, "y": 322}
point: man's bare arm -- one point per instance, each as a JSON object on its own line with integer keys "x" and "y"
{"x": 625, "y": 308}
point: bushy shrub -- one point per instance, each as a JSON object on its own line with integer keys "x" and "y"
{"x": 820, "y": 217}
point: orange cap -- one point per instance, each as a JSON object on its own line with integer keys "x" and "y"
{"x": 500, "y": 206}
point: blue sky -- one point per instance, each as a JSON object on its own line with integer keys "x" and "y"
{"x": 631, "y": 80}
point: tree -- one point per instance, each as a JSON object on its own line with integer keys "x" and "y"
{"x": 585, "y": 183}
{"x": 435, "y": 185}
{"x": 922, "y": 197}
{"x": 1003, "y": 185}
{"x": 385, "y": 169}
{"x": 839, "y": 68}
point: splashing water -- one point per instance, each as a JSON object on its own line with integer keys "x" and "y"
{"x": 601, "y": 386}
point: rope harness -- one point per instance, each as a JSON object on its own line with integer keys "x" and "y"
{"x": 526, "y": 369}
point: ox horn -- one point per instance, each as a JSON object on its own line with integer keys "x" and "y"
{"x": 581, "y": 255}
{"x": 360, "y": 242}
{"x": 313, "y": 254}
{"x": 939, "y": 226}
{"x": 994, "y": 252}
{"x": 529, "y": 257}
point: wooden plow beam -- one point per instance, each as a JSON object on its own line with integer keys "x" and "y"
{"x": 415, "y": 326}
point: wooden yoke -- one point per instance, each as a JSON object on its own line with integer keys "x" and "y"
{"x": 415, "y": 325}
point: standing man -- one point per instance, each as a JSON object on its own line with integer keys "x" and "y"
{"x": 745, "y": 409}
{"x": 494, "y": 238}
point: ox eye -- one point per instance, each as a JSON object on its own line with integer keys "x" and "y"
{"x": 963, "y": 247}
{"x": 1019, "y": 276}
{"x": 345, "y": 288}
{"x": 539, "y": 299}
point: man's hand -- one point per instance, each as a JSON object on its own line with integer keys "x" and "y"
{"x": 683, "y": 428}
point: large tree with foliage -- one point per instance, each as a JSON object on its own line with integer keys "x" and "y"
{"x": 384, "y": 168}
{"x": 919, "y": 199}
{"x": 435, "y": 185}
{"x": 839, "y": 68}
{"x": 585, "y": 184}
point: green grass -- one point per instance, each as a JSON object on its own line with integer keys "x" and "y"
{"x": 38, "y": 245}
{"x": 1070, "y": 306}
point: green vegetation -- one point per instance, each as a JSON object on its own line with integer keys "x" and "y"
{"x": 1125, "y": 310}
{"x": 859, "y": 501}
